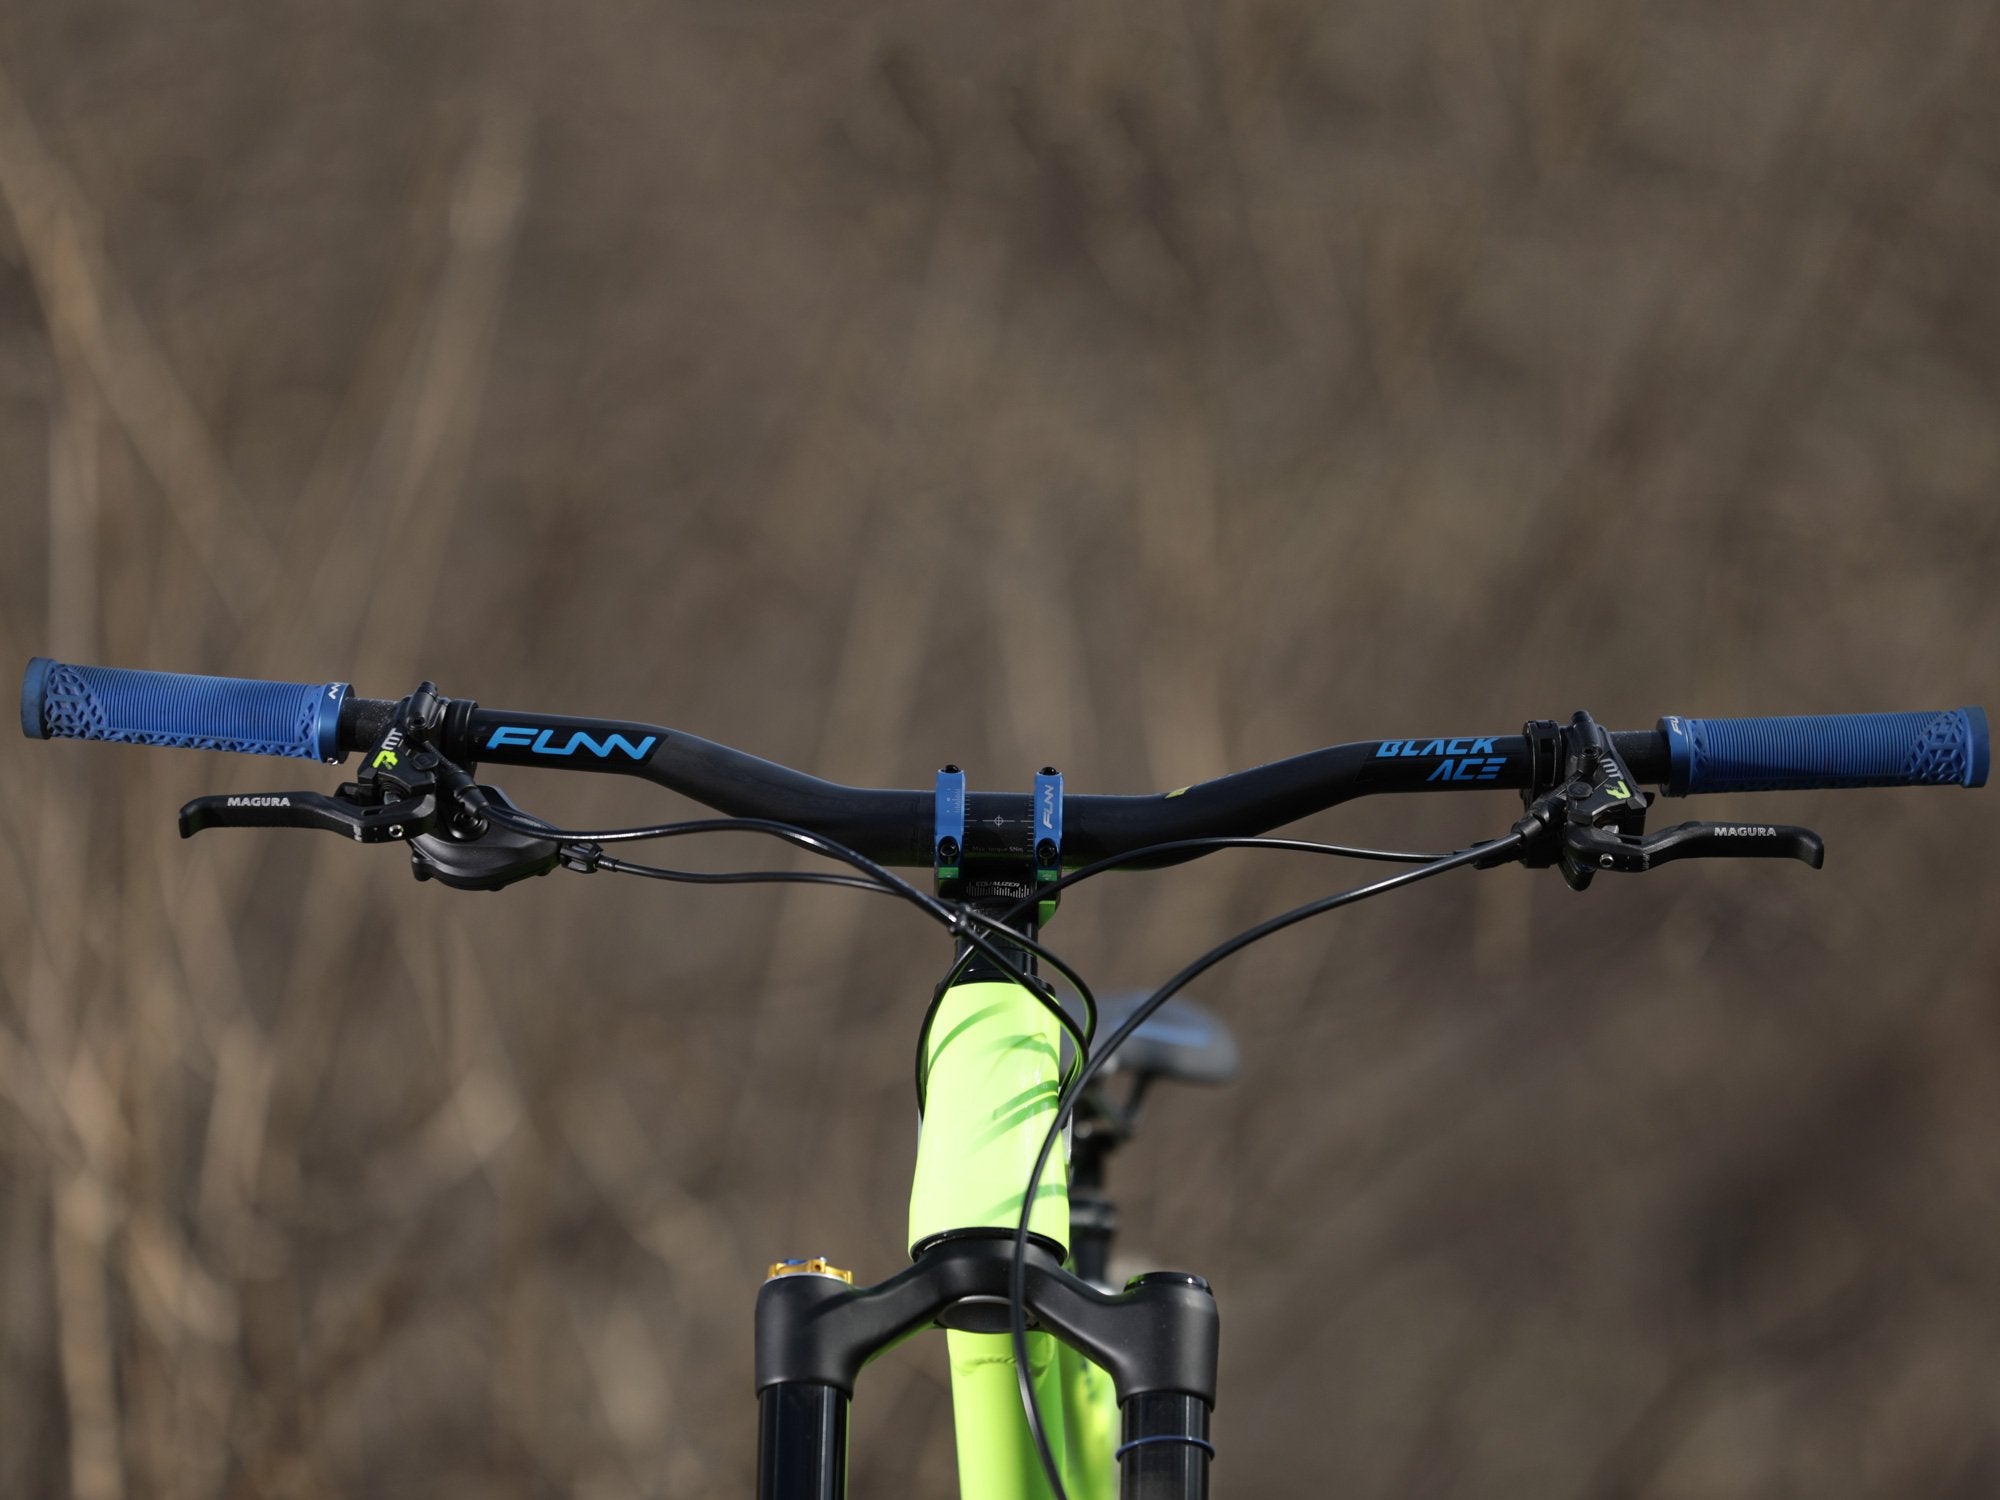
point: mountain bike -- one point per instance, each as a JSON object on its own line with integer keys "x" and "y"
{"x": 1063, "y": 1385}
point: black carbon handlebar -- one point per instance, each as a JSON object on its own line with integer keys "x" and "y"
{"x": 325, "y": 721}
{"x": 895, "y": 827}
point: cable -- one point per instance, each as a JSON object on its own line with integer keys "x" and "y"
{"x": 1301, "y": 846}
{"x": 1133, "y": 856}
{"x": 971, "y": 926}
{"x": 742, "y": 877}
{"x": 1082, "y": 1037}
{"x": 1017, "y": 1310}
{"x": 1149, "y": 851}
{"x": 883, "y": 879}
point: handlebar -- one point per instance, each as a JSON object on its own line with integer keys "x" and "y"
{"x": 325, "y": 721}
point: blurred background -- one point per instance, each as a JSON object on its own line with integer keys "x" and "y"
{"x": 1150, "y": 390}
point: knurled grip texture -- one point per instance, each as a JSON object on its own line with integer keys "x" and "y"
{"x": 1832, "y": 750}
{"x": 61, "y": 701}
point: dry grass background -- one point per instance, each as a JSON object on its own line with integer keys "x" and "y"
{"x": 1150, "y": 390}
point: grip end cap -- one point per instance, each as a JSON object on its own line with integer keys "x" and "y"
{"x": 1982, "y": 746}
{"x": 1680, "y": 754}
{"x": 332, "y": 696}
{"x": 34, "y": 687}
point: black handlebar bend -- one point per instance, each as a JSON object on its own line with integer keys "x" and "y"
{"x": 325, "y": 721}
{"x": 895, "y": 827}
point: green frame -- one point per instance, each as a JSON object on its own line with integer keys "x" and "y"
{"x": 992, "y": 1069}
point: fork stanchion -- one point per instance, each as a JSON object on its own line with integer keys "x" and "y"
{"x": 1165, "y": 1451}
{"x": 801, "y": 1442}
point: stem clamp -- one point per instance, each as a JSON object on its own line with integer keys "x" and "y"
{"x": 1005, "y": 856}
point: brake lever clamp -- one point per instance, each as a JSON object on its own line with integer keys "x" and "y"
{"x": 1604, "y": 816}
{"x": 457, "y": 845}
{"x": 1584, "y": 813}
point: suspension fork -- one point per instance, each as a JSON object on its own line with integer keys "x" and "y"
{"x": 1156, "y": 1341}
{"x": 991, "y": 1092}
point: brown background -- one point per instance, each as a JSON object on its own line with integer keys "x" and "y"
{"x": 1150, "y": 389}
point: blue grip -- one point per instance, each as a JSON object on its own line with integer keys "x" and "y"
{"x": 1835, "y": 750}
{"x": 64, "y": 702}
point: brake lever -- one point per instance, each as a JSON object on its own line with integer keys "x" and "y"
{"x": 469, "y": 853}
{"x": 1599, "y": 850}
{"x": 340, "y": 814}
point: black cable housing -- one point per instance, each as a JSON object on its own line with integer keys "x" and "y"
{"x": 1485, "y": 854}
{"x": 1120, "y": 861}
{"x": 969, "y": 926}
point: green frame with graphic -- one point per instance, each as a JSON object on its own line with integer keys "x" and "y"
{"x": 992, "y": 1071}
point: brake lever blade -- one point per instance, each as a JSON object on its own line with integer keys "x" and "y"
{"x": 365, "y": 825}
{"x": 1734, "y": 841}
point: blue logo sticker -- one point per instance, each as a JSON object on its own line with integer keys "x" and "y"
{"x": 543, "y": 742}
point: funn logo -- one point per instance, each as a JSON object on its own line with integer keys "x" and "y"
{"x": 543, "y": 742}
